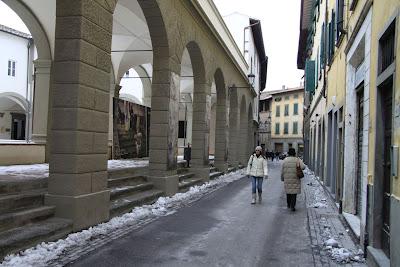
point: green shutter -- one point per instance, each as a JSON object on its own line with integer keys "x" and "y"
{"x": 322, "y": 55}
{"x": 310, "y": 75}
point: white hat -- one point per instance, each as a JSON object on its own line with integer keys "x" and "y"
{"x": 258, "y": 148}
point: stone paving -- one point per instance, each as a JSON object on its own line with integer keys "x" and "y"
{"x": 325, "y": 224}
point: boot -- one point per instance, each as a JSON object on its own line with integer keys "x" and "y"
{"x": 253, "y": 200}
{"x": 259, "y": 197}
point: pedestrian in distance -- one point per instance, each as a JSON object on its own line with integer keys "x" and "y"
{"x": 187, "y": 154}
{"x": 257, "y": 170}
{"x": 289, "y": 177}
{"x": 272, "y": 156}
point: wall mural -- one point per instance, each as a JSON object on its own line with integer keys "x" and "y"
{"x": 131, "y": 129}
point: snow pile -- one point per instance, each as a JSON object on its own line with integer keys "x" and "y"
{"x": 317, "y": 196}
{"x": 45, "y": 253}
{"x": 26, "y": 171}
{"x": 127, "y": 163}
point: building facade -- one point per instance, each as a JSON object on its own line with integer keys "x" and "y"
{"x": 348, "y": 51}
{"x": 85, "y": 48}
{"x": 282, "y": 117}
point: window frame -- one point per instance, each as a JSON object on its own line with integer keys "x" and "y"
{"x": 285, "y": 128}
{"x": 277, "y": 128}
{"x": 295, "y": 108}
{"x": 286, "y": 111}
{"x": 277, "y": 111}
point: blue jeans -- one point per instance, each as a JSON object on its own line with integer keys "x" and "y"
{"x": 256, "y": 182}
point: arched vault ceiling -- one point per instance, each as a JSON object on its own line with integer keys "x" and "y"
{"x": 130, "y": 32}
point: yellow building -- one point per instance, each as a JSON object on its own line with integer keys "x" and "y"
{"x": 348, "y": 51}
{"x": 286, "y": 112}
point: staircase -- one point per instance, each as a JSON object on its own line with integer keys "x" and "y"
{"x": 214, "y": 173}
{"x": 129, "y": 189}
{"x": 187, "y": 179}
{"x": 24, "y": 219}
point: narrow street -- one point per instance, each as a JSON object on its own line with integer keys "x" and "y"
{"x": 222, "y": 229}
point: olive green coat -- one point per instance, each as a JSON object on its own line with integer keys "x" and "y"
{"x": 289, "y": 175}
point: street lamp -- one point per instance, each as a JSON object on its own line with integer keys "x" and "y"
{"x": 252, "y": 78}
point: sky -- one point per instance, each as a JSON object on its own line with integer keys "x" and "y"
{"x": 280, "y": 21}
{"x": 280, "y": 25}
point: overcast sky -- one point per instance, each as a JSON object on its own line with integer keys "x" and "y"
{"x": 280, "y": 26}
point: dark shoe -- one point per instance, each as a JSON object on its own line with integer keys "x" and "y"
{"x": 293, "y": 209}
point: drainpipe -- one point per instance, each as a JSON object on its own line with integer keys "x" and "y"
{"x": 28, "y": 111}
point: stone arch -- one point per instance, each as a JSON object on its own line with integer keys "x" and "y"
{"x": 221, "y": 132}
{"x": 34, "y": 26}
{"x": 17, "y": 98}
{"x": 201, "y": 111}
{"x": 42, "y": 70}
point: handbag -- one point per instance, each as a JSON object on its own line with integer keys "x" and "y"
{"x": 299, "y": 171}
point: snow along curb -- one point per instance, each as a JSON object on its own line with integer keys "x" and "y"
{"x": 77, "y": 244}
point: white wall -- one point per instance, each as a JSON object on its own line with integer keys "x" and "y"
{"x": 14, "y": 48}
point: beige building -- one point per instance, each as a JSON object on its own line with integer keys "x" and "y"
{"x": 282, "y": 114}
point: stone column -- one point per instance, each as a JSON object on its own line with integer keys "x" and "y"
{"x": 221, "y": 138}
{"x": 243, "y": 141}
{"x": 164, "y": 126}
{"x": 233, "y": 148}
{"x": 78, "y": 159}
{"x": 116, "y": 91}
{"x": 201, "y": 130}
{"x": 41, "y": 100}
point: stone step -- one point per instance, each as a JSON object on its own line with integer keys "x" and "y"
{"x": 186, "y": 184}
{"x": 20, "y": 238}
{"x": 215, "y": 175}
{"x": 186, "y": 176}
{"x": 9, "y": 203}
{"x": 25, "y": 216}
{"x": 12, "y": 185}
{"x": 123, "y": 172}
{"x": 213, "y": 169}
{"x": 182, "y": 170}
{"x": 126, "y": 204}
{"x": 127, "y": 180}
{"x": 121, "y": 191}
{"x": 231, "y": 169}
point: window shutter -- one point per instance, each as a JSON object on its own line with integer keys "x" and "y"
{"x": 333, "y": 32}
{"x": 322, "y": 45}
{"x": 310, "y": 75}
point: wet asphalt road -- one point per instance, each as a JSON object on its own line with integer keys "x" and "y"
{"x": 222, "y": 229}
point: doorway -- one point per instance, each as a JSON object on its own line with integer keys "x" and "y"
{"x": 360, "y": 130}
{"x": 18, "y": 122}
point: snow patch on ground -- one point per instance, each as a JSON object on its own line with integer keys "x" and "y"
{"x": 331, "y": 245}
{"x": 45, "y": 253}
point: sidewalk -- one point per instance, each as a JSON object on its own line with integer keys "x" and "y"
{"x": 331, "y": 241}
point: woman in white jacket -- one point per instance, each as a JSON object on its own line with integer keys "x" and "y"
{"x": 257, "y": 169}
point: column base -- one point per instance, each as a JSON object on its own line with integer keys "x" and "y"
{"x": 39, "y": 138}
{"x": 168, "y": 184}
{"x": 202, "y": 172}
{"x": 84, "y": 210}
{"x": 221, "y": 166}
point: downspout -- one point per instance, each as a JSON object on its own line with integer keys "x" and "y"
{"x": 28, "y": 111}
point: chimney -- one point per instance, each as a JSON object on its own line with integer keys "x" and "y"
{"x": 283, "y": 87}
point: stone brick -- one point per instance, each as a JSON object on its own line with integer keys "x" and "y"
{"x": 100, "y": 141}
{"x": 158, "y": 156}
{"x": 158, "y": 129}
{"x": 68, "y": 28}
{"x": 99, "y": 181}
{"x": 103, "y": 60}
{"x": 93, "y": 77}
{"x": 73, "y": 95}
{"x": 70, "y": 184}
{"x": 72, "y": 142}
{"x": 159, "y": 116}
{"x": 102, "y": 101}
{"x": 162, "y": 103}
{"x": 96, "y": 35}
{"x": 158, "y": 142}
{"x": 71, "y": 163}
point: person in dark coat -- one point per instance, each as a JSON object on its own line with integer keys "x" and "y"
{"x": 289, "y": 177}
{"x": 187, "y": 155}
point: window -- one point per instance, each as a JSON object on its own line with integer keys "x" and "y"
{"x": 386, "y": 48}
{"x": 11, "y": 68}
{"x": 339, "y": 19}
{"x": 286, "y": 128}
{"x": 278, "y": 111}
{"x": 286, "y": 97}
{"x": 295, "y": 128}
{"x": 287, "y": 110}
{"x": 296, "y": 96}
{"x": 277, "y": 130}
{"x": 277, "y": 99}
{"x": 296, "y": 109}
{"x": 182, "y": 129}
{"x": 310, "y": 75}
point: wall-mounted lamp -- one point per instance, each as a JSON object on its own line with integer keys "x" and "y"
{"x": 252, "y": 78}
